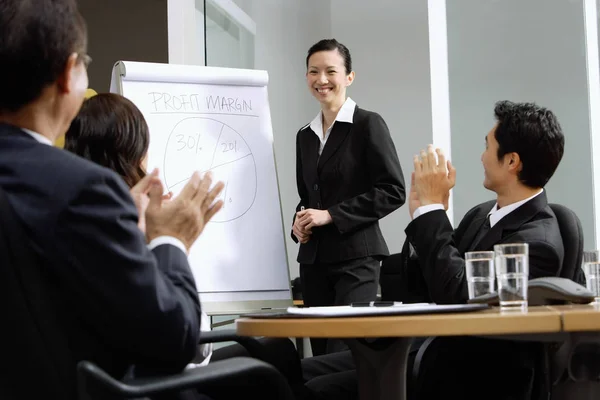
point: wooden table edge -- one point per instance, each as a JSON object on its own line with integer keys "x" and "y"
{"x": 539, "y": 320}
{"x": 579, "y": 317}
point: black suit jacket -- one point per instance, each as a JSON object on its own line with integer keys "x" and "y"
{"x": 440, "y": 249}
{"x": 118, "y": 303}
{"x": 357, "y": 178}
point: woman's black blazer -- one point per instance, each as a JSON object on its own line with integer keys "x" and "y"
{"x": 357, "y": 178}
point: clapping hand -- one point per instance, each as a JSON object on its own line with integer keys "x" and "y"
{"x": 185, "y": 216}
{"x": 139, "y": 193}
{"x": 431, "y": 180}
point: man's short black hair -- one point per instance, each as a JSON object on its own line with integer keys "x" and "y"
{"x": 36, "y": 39}
{"x": 533, "y": 133}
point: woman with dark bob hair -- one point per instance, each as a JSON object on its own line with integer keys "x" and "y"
{"x": 111, "y": 131}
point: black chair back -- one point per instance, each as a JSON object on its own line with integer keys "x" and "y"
{"x": 572, "y": 236}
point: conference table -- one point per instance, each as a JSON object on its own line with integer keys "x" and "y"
{"x": 381, "y": 362}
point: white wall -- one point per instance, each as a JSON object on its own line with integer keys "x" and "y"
{"x": 285, "y": 29}
{"x": 389, "y": 43}
{"x": 531, "y": 50}
{"x": 133, "y": 30}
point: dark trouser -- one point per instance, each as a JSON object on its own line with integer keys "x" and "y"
{"x": 280, "y": 353}
{"x": 336, "y": 284}
{"x": 333, "y": 376}
{"x": 467, "y": 368}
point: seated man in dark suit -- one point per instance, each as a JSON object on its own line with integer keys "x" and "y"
{"x": 118, "y": 297}
{"x": 522, "y": 152}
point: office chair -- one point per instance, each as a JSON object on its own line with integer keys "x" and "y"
{"x": 572, "y": 236}
{"x": 390, "y": 278}
{"x": 94, "y": 383}
{"x": 401, "y": 278}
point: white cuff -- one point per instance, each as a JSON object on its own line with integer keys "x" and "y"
{"x": 167, "y": 240}
{"x": 428, "y": 208}
{"x": 205, "y": 349}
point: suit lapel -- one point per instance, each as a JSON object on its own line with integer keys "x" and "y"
{"x": 338, "y": 134}
{"x": 491, "y": 238}
{"x": 512, "y": 222}
{"x": 466, "y": 244}
{"x": 336, "y": 137}
{"x": 310, "y": 153}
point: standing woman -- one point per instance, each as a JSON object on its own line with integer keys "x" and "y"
{"x": 348, "y": 177}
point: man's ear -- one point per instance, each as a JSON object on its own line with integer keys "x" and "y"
{"x": 514, "y": 161}
{"x": 66, "y": 78}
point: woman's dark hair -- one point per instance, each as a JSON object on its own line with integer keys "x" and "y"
{"x": 111, "y": 131}
{"x": 328, "y": 45}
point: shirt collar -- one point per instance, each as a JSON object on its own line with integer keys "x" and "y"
{"x": 496, "y": 214}
{"x": 346, "y": 114}
{"x": 40, "y": 138}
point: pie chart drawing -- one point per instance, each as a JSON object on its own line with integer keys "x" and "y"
{"x": 205, "y": 144}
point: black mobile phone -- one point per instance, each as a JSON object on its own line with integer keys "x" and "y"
{"x": 383, "y": 303}
{"x": 361, "y": 304}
